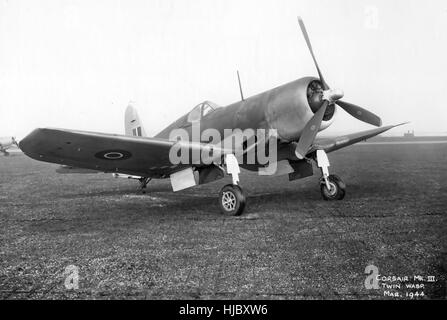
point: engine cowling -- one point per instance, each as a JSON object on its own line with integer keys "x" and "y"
{"x": 292, "y": 105}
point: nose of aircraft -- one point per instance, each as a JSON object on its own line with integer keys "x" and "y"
{"x": 337, "y": 94}
{"x": 333, "y": 95}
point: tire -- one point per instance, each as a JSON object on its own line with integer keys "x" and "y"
{"x": 338, "y": 189}
{"x": 231, "y": 200}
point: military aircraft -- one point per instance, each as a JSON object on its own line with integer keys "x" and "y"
{"x": 6, "y": 143}
{"x": 297, "y": 111}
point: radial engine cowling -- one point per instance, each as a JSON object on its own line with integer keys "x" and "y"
{"x": 292, "y": 105}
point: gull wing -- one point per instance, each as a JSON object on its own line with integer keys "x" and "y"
{"x": 132, "y": 155}
{"x": 138, "y": 156}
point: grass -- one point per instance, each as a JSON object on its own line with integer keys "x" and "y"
{"x": 290, "y": 244}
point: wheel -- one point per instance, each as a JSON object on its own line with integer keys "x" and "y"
{"x": 231, "y": 200}
{"x": 338, "y": 189}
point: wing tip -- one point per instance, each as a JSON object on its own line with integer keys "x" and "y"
{"x": 399, "y": 125}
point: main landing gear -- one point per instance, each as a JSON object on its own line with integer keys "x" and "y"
{"x": 336, "y": 190}
{"x": 231, "y": 200}
{"x": 331, "y": 186}
{"x": 231, "y": 197}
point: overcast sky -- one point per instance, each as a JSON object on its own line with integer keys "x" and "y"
{"x": 77, "y": 64}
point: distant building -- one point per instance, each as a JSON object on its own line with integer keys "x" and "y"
{"x": 409, "y": 134}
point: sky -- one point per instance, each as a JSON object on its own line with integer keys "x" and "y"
{"x": 77, "y": 64}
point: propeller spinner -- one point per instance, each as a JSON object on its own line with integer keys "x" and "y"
{"x": 330, "y": 96}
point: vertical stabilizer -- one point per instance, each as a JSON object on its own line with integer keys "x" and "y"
{"x": 132, "y": 123}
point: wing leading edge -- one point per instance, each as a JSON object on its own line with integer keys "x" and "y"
{"x": 101, "y": 152}
{"x": 334, "y": 144}
{"x": 138, "y": 156}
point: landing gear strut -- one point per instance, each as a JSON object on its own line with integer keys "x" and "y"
{"x": 331, "y": 186}
{"x": 231, "y": 197}
{"x": 143, "y": 183}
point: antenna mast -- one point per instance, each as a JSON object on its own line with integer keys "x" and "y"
{"x": 240, "y": 86}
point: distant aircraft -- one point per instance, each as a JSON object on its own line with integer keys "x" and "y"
{"x": 296, "y": 112}
{"x": 6, "y": 143}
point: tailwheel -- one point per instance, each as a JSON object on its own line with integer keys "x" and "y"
{"x": 231, "y": 200}
{"x": 337, "y": 189}
{"x": 143, "y": 183}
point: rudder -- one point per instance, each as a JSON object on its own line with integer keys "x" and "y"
{"x": 132, "y": 123}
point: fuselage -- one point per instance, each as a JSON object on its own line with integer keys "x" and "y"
{"x": 287, "y": 109}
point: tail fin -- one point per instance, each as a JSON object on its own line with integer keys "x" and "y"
{"x": 132, "y": 123}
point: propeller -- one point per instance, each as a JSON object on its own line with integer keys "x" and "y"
{"x": 360, "y": 113}
{"x": 330, "y": 96}
{"x": 309, "y": 45}
{"x": 310, "y": 132}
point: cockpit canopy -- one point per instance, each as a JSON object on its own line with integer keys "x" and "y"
{"x": 202, "y": 110}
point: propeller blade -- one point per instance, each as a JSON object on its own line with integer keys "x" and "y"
{"x": 360, "y": 113}
{"x": 309, "y": 45}
{"x": 310, "y": 132}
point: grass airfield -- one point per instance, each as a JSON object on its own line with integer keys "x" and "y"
{"x": 289, "y": 244}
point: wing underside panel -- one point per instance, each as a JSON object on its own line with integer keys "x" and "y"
{"x": 101, "y": 152}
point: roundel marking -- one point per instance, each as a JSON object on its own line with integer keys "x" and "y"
{"x": 113, "y": 155}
